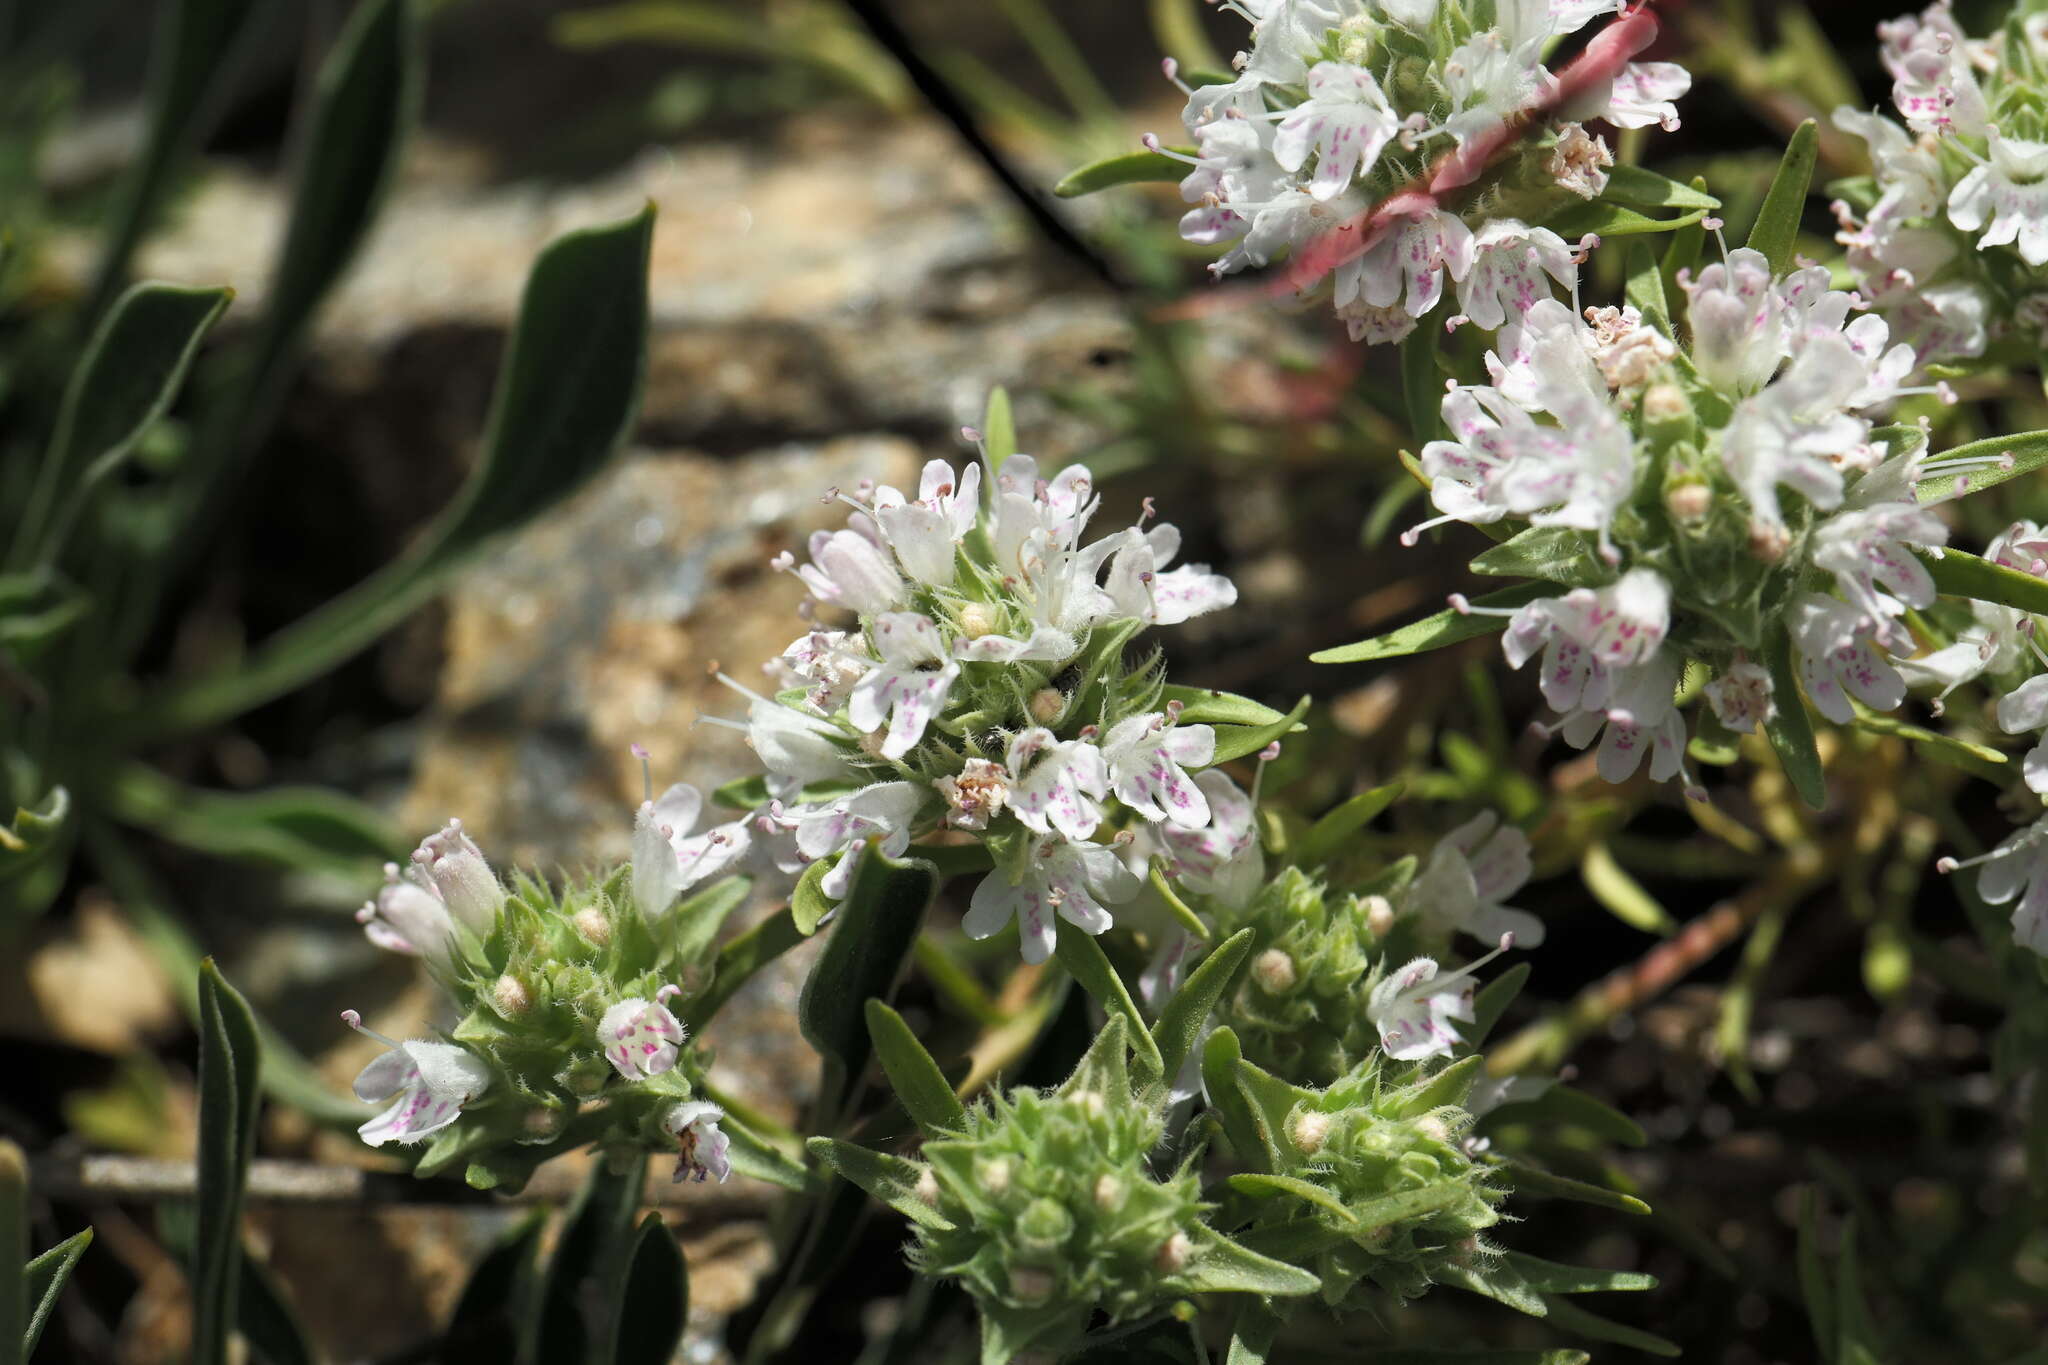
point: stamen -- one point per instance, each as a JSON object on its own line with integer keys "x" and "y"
{"x": 646, "y": 773}
{"x": 355, "y": 1021}
{"x": 1151, "y": 143}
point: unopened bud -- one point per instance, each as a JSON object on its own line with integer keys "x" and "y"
{"x": 592, "y": 923}
{"x": 976, "y": 620}
{"x": 1379, "y": 915}
{"x": 1433, "y": 1128}
{"x": 1275, "y": 971}
{"x": 1665, "y": 403}
{"x": 1768, "y": 543}
{"x": 1174, "y": 1254}
{"x": 1308, "y": 1130}
{"x": 1109, "y": 1193}
{"x": 1091, "y": 1102}
{"x": 511, "y": 997}
{"x": 927, "y": 1188}
{"x": 541, "y": 1123}
{"x": 1030, "y": 1285}
{"x": 1046, "y": 705}
{"x": 994, "y": 1175}
{"x": 1689, "y": 503}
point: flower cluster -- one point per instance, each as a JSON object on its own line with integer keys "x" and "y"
{"x": 982, "y": 687}
{"x": 1339, "y": 104}
{"x": 1949, "y": 236}
{"x": 563, "y": 999}
{"x": 1704, "y": 507}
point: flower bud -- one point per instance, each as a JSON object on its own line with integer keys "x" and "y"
{"x": 1689, "y": 503}
{"x": 1091, "y": 1102}
{"x": 927, "y": 1188}
{"x": 1379, "y": 915}
{"x": 1046, "y": 705}
{"x": 1045, "y": 1226}
{"x": 586, "y": 1078}
{"x": 593, "y": 924}
{"x": 977, "y": 620}
{"x": 455, "y": 866}
{"x": 1308, "y": 1130}
{"x": 1109, "y": 1193}
{"x": 1433, "y": 1128}
{"x": 1768, "y": 543}
{"x": 1174, "y": 1254}
{"x": 1665, "y": 403}
{"x": 994, "y": 1175}
{"x": 1275, "y": 972}
{"x": 511, "y": 997}
{"x": 1031, "y": 1285}
{"x": 542, "y": 1123}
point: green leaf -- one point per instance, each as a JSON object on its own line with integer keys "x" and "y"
{"x": 263, "y": 1317}
{"x": 1776, "y": 232}
{"x": 1207, "y": 706}
{"x": 1085, "y": 961}
{"x": 33, "y": 831}
{"x": 998, "y": 433}
{"x": 1790, "y": 729}
{"x": 1325, "y": 838}
{"x": 1222, "y": 1265}
{"x": 1856, "y": 1335}
{"x": 1552, "y": 1278}
{"x": 36, "y": 607}
{"x": 888, "y": 1178}
{"x": 1622, "y": 895}
{"x": 1447, "y": 627}
{"x": 808, "y": 903}
{"x": 912, "y": 1073}
{"x": 653, "y": 1300}
{"x": 590, "y": 1260}
{"x": 229, "y": 1065}
{"x": 1180, "y": 1022}
{"x": 1251, "y": 1341}
{"x": 492, "y": 1315}
{"x": 1645, "y": 287}
{"x": 1965, "y": 575}
{"x": 46, "y": 1277}
{"x": 1556, "y": 553}
{"x": 699, "y": 917}
{"x": 871, "y": 937}
{"x": 132, "y": 368}
{"x": 1980, "y": 759}
{"x": 14, "y": 1287}
{"x": 195, "y": 55}
{"x": 2029, "y": 452}
{"x": 1236, "y": 741}
{"x": 1452, "y": 1085}
{"x": 1422, "y": 384}
{"x": 1565, "y": 1107}
{"x": 1501, "y": 1282}
{"x": 1492, "y": 1002}
{"x": 736, "y": 964}
{"x": 365, "y": 98}
{"x": 758, "y": 1159}
{"x": 298, "y": 828}
{"x": 567, "y": 396}
{"x": 1818, "y": 1290}
{"x": 1220, "y": 1058}
{"x": 1290, "y": 1187}
{"x": 1646, "y": 189}
{"x": 1572, "y": 1318}
{"x": 1130, "y": 168}
{"x": 1612, "y": 220}
{"x": 1537, "y": 1181}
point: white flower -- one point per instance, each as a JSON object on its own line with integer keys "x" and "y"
{"x": 1837, "y": 659}
{"x": 641, "y": 1038}
{"x": 1868, "y": 547}
{"x": 1637, "y": 721}
{"x": 1579, "y": 161}
{"x": 2017, "y": 867}
{"x": 883, "y": 810}
{"x": 1933, "y": 86}
{"x": 1345, "y": 122}
{"x": 793, "y": 745}
{"x": 431, "y": 1083}
{"x": 2026, "y": 708}
{"x": 1737, "y": 322}
{"x": 1409, "y": 261}
{"x": 903, "y": 691}
{"x": 1628, "y": 354}
{"x": 1741, "y": 697}
{"x": 1148, "y": 756}
{"x": 1643, "y": 94}
{"x": 1487, "y": 80}
{"x": 1414, "y": 1008}
{"x": 1074, "y": 880}
{"x": 925, "y": 534}
{"x": 1908, "y": 170}
{"x": 1056, "y": 784}
{"x": 408, "y": 916}
{"x": 1590, "y": 636}
{"x": 2008, "y": 198}
{"x": 822, "y": 662}
{"x": 977, "y": 795}
{"x": 848, "y": 569}
{"x": 450, "y": 862}
{"x": 1222, "y": 859}
{"x": 704, "y": 1150}
{"x": 1140, "y": 587}
{"x": 1796, "y": 433}
{"x": 668, "y": 860}
{"x": 1470, "y": 872}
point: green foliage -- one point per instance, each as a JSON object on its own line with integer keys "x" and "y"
{"x": 229, "y": 1063}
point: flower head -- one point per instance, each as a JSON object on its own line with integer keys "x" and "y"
{"x": 702, "y": 1149}
{"x": 641, "y": 1038}
{"x": 426, "y": 1082}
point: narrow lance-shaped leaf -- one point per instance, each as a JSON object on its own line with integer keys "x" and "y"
{"x": 132, "y": 369}
{"x": 912, "y": 1073}
{"x": 1084, "y": 959}
{"x": 567, "y": 396}
{"x": 888, "y": 1178}
{"x": 1776, "y": 232}
{"x": 1646, "y": 189}
{"x": 1238, "y": 741}
{"x": 2029, "y": 452}
{"x": 575, "y": 1314}
{"x": 32, "y": 831}
{"x": 1572, "y": 1318}
{"x": 1129, "y": 168}
{"x": 228, "y": 1070}
{"x": 1965, "y": 575}
{"x": 47, "y": 1275}
{"x": 808, "y": 903}
{"x": 1790, "y": 729}
{"x": 1447, "y": 627}
{"x": 1180, "y": 1023}
{"x": 1422, "y": 385}
{"x": 653, "y": 1298}
{"x": 1327, "y": 837}
{"x": 488, "y": 1321}
{"x": 14, "y": 1296}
